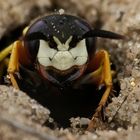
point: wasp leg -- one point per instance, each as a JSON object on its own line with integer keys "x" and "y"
{"x": 5, "y": 52}
{"x": 102, "y": 60}
{"x": 3, "y": 60}
{"x": 91, "y": 78}
{"x": 3, "y": 65}
{"x": 14, "y": 63}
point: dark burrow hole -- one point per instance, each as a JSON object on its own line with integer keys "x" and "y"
{"x": 63, "y": 103}
{"x": 67, "y": 102}
{"x": 11, "y": 36}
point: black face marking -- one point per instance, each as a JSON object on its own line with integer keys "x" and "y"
{"x": 52, "y": 43}
{"x": 60, "y": 26}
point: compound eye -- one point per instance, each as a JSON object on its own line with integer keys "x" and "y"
{"x": 33, "y": 36}
{"x": 32, "y": 47}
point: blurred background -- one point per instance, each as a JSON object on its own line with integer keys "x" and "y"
{"x": 121, "y": 16}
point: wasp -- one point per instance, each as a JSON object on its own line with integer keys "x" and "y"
{"x": 57, "y": 53}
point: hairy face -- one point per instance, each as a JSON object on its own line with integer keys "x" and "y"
{"x": 62, "y": 57}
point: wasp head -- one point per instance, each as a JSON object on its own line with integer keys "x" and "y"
{"x": 61, "y": 45}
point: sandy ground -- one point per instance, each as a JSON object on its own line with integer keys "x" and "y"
{"x": 22, "y": 118}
